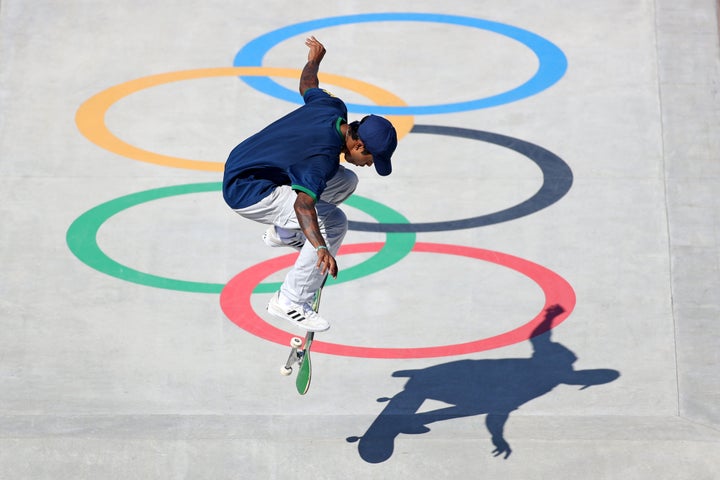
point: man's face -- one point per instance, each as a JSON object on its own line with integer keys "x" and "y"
{"x": 355, "y": 156}
{"x": 359, "y": 159}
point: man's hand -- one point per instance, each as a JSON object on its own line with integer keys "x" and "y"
{"x": 326, "y": 263}
{"x": 309, "y": 78}
{"x": 317, "y": 51}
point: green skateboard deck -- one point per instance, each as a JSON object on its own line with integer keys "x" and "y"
{"x": 300, "y": 354}
{"x": 302, "y": 382}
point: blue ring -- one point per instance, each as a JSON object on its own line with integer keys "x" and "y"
{"x": 553, "y": 62}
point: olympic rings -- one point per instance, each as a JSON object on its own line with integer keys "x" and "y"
{"x": 235, "y": 302}
{"x": 557, "y": 180}
{"x": 400, "y": 234}
{"x": 552, "y": 61}
{"x": 82, "y": 240}
{"x": 90, "y": 117}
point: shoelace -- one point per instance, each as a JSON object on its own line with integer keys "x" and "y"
{"x": 309, "y": 312}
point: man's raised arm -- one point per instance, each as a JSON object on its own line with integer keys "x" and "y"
{"x": 309, "y": 78}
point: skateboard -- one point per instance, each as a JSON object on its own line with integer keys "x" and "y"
{"x": 300, "y": 354}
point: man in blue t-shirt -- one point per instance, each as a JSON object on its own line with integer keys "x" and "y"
{"x": 289, "y": 176}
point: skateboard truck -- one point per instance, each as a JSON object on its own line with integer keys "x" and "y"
{"x": 296, "y": 356}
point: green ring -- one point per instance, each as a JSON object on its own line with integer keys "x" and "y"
{"x": 82, "y": 241}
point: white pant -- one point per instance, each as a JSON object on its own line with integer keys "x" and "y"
{"x": 304, "y": 279}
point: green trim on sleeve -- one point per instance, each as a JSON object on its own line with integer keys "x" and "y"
{"x": 311, "y": 88}
{"x": 338, "y": 123}
{"x": 305, "y": 190}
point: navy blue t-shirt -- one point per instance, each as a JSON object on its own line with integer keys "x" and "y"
{"x": 301, "y": 149}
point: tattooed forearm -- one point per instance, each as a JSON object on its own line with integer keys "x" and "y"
{"x": 309, "y": 78}
{"x": 307, "y": 218}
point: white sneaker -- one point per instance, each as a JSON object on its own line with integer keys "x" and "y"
{"x": 302, "y": 316}
{"x": 271, "y": 238}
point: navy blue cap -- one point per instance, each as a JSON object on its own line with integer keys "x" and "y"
{"x": 380, "y": 139}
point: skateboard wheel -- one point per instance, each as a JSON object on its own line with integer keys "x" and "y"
{"x": 296, "y": 342}
{"x": 285, "y": 370}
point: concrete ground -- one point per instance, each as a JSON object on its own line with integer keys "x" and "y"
{"x": 546, "y": 303}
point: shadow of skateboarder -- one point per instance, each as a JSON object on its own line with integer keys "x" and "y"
{"x": 476, "y": 387}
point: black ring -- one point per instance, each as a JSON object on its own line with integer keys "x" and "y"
{"x": 557, "y": 180}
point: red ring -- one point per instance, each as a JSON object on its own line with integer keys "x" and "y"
{"x": 235, "y": 302}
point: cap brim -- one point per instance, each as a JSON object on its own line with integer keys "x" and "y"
{"x": 382, "y": 165}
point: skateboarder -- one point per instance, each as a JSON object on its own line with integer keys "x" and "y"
{"x": 288, "y": 176}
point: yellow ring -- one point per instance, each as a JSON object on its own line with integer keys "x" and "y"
{"x": 90, "y": 117}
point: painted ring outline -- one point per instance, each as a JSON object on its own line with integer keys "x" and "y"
{"x": 90, "y": 116}
{"x": 81, "y": 238}
{"x": 235, "y": 302}
{"x": 557, "y": 181}
{"x": 552, "y": 60}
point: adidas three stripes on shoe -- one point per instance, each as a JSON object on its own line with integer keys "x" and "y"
{"x": 302, "y": 316}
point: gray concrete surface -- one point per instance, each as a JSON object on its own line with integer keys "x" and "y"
{"x": 119, "y": 376}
